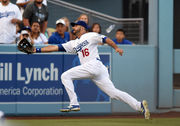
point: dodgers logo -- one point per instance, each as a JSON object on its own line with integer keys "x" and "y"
{"x": 80, "y": 46}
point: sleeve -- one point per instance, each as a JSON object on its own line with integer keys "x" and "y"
{"x": 28, "y": 11}
{"x": 100, "y": 38}
{"x": 68, "y": 46}
{"x": 61, "y": 48}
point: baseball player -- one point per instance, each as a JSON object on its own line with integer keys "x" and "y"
{"x": 91, "y": 67}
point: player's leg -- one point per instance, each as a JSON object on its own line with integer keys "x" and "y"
{"x": 78, "y": 72}
{"x": 105, "y": 84}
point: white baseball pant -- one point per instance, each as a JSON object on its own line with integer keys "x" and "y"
{"x": 98, "y": 73}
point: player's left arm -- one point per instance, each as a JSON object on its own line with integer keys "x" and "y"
{"x": 113, "y": 45}
{"x": 50, "y": 48}
{"x": 65, "y": 47}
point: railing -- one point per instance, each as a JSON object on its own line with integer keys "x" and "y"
{"x": 134, "y": 27}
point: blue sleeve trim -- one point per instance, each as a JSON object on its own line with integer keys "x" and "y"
{"x": 61, "y": 48}
{"x": 104, "y": 39}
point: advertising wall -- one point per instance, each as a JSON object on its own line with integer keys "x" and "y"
{"x": 30, "y": 84}
{"x": 36, "y": 78}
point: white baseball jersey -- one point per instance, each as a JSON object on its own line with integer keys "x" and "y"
{"x": 8, "y": 29}
{"x": 85, "y": 46}
{"x": 92, "y": 68}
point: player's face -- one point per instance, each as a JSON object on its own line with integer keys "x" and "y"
{"x": 96, "y": 29}
{"x": 77, "y": 29}
{"x": 35, "y": 27}
{"x": 60, "y": 29}
{"x": 120, "y": 35}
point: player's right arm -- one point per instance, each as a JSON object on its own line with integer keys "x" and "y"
{"x": 113, "y": 45}
{"x": 104, "y": 39}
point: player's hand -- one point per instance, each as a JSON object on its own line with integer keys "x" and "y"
{"x": 120, "y": 51}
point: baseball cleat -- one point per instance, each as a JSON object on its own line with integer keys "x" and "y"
{"x": 71, "y": 108}
{"x": 145, "y": 110}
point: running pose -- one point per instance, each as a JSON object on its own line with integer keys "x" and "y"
{"x": 91, "y": 67}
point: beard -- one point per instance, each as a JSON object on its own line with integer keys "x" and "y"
{"x": 76, "y": 32}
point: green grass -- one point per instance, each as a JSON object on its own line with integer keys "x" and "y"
{"x": 96, "y": 122}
